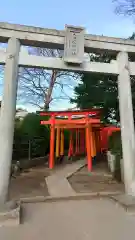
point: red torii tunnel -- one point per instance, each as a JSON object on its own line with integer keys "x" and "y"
{"x": 86, "y": 134}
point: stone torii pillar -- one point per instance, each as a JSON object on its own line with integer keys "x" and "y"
{"x": 127, "y": 122}
{"x": 8, "y": 109}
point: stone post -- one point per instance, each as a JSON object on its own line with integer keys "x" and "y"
{"x": 8, "y": 110}
{"x": 127, "y": 122}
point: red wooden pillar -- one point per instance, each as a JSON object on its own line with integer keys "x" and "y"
{"x": 52, "y": 140}
{"x": 98, "y": 141}
{"x": 76, "y": 142}
{"x": 83, "y": 149}
{"x": 84, "y": 141}
{"x": 88, "y": 147}
{"x": 81, "y": 141}
{"x": 70, "y": 151}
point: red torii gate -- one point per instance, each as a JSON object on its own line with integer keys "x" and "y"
{"x": 105, "y": 133}
{"x": 87, "y": 120}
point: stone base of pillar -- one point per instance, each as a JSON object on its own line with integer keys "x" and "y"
{"x": 10, "y": 214}
{"x": 132, "y": 189}
{"x": 125, "y": 201}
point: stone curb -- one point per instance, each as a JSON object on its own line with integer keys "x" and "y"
{"x": 11, "y": 217}
{"x": 77, "y": 169}
{"x": 126, "y": 202}
{"x": 56, "y": 171}
{"x": 84, "y": 196}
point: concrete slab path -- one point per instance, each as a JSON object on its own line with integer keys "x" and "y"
{"x": 58, "y": 184}
{"x": 73, "y": 220}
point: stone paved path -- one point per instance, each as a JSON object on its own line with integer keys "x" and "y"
{"x": 73, "y": 220}
{"x": 58, "y": 184}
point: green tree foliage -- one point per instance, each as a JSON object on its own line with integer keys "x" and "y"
{"x": 29, "y": 133}
{"x": 98, "y": 91}
{"x": 101, "y": 91}
{"x": 31, "y": 127}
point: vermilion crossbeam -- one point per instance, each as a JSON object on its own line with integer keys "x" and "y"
{"x": 70, "y": 113}
{"x": 76, "y": 121}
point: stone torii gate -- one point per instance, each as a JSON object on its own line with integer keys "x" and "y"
{"x": 74, "y": 42}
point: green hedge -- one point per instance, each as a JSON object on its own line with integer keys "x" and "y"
{"x": 30, "y": 131}
{"x": 115, "y": 143}
{"x": 29, "y": 134}
{"x": 115, "y": 147}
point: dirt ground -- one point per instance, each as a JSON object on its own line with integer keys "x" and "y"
{"x": 96, "y": 181}
{"x": 30, "y": 183}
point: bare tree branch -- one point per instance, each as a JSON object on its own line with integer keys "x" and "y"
{"x": 125, "y": 7}
{"x": 39, "y": 86}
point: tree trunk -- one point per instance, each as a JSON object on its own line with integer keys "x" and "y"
{"x": 46, "y": 107}
{"x": 49, "y": 92}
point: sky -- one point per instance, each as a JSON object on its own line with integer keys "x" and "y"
{"x": 97, "y": 17}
